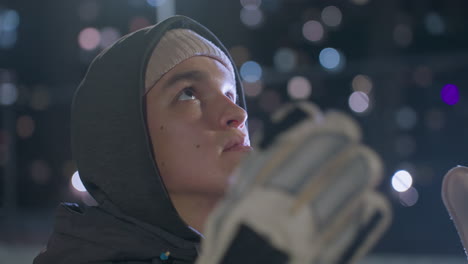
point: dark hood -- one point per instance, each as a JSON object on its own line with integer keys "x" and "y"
{"x": 98, "y": 235}
{"x": 110, "y": 140}
{"x": 135, "y": 219}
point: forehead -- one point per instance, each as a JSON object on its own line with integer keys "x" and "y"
{"x": 207, "y": 66}
{"x": 197, "y": 69}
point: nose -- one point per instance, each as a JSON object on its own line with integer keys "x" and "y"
{"x": 233, "y": 116}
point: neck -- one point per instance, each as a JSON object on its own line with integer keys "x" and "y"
{"x": 194, "y": 209}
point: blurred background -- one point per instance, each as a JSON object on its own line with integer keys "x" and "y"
{"x": 399, "y": 67}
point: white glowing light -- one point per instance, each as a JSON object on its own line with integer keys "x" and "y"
{"x": 76, "y": 182}
{"x": 402, "y": 181}
{"x": 251, "y": 71}
{"x": 358, "y": 102}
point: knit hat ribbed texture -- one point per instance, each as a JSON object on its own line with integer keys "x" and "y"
{"x": 176, "y": 46}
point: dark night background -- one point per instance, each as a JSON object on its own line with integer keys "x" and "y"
{"x": 408, "y": 51}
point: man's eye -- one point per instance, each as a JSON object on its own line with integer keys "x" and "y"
{"x": 232, "y": 97}
{"x": 187, "y": 94}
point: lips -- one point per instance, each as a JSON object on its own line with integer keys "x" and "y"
{"x": 236, "y": 143}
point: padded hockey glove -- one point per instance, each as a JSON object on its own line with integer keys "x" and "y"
{"x": 308, "y": 197}
{"x": 455, "y": 197}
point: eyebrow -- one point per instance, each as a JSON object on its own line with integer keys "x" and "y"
{"x": 188, "y": 75}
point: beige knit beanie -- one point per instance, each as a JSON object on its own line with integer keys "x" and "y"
{"x": 176, "y": 46}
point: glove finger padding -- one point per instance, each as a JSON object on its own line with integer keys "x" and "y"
{"x": 455, "y": 197}
{"x": 309, "y": 194}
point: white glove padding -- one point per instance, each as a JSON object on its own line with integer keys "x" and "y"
{"x": 455, "y": 197}
{"x": 309, "y": 194}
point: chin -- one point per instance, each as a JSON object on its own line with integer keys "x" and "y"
{"x": 221, "y": 189}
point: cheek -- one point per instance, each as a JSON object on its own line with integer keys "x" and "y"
{"x": 182, "y": 154}
{"x": 187, "y": 154}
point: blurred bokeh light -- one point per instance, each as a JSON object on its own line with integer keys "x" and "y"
{"x": 299, "y": 88}
{"x": 358, "y": 102}
{"x": 313, "y": 30}
{"x": 409, "y": 197}
{"x": 76, "y": 182}
{"x": 89, "y": 38}
{"x": 251, "y": 71}
{"x": 362, "y": 83}
{"x": 285, "y": 59}
{"x": 402, "y": 181}
{"x": 9, "y": 22}
{"x": 331, "y": 16}
{"x": 109, "y": 35}
{"x": 406, "y": 118}
{"x": 251, "y": 17}
{"x": 331, "y": 59}
{"x": 25, "y": 126}
{"x": 450, "y": 94}
{"x": 253, "y": 89}
{"x": 434, "y": 23}
{"x": 8, "y": 93}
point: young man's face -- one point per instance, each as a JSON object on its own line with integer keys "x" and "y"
{"x": 192, "y": 116}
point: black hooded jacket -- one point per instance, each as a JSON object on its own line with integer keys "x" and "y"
{"x": 135, "y": 220}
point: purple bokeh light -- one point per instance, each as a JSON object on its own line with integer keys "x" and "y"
{"x": 450, "y": 94}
